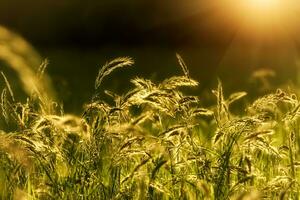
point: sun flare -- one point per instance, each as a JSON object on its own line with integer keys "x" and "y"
{"x": 262, "y": 16}
{"x": 263, "y": 4}
{"x": 262, "y": 10}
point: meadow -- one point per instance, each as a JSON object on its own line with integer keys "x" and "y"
{"x": 152, "y": 142}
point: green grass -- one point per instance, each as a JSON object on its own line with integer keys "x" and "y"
{"x": 154, "y": 142}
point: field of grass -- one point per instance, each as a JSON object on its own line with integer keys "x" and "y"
{"x": 153, "y": 142}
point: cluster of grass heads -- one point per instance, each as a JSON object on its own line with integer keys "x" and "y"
{"x": 153, "y": 142}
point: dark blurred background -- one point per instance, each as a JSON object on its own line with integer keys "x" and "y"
{"x": 79, "y": 36}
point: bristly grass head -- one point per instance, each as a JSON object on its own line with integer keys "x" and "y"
{"x": 8, "y": 86}
{"x": 183, "y": 65}
{"x": 110, "y": 67}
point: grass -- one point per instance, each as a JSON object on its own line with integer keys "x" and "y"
{"x": 153, "y": 142}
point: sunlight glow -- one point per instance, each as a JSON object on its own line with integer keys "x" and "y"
{"x": 262, "y": 10}
{"x": 263, "y": 4}
{"x": 261, "y": 16}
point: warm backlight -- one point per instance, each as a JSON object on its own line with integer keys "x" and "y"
{"x": 261, "y": 11}
{"x": 261, "y": 16}
{"x": 263, "y": 5}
